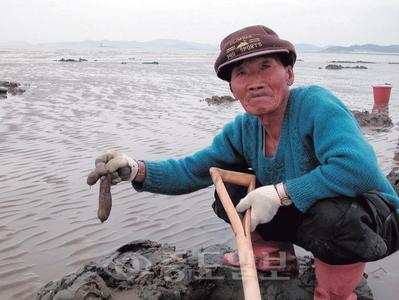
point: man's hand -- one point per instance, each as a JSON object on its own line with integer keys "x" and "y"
{"x": 120, "y": 166}
{"x": 264, "y": 203}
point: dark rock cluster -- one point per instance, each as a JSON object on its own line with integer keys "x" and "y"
{"x": 393, "y": 179}
{"x": 12, "y": 88}
{"x": 72, "y": 60}
{"x": 339, "y": 67}
{"x": 144, "y": 269}
{"x": 364, "y": 118}
{"x": 217, "y": 100}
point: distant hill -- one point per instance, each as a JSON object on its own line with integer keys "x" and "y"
{"x": 309, "y": 48}
{"x": 177, "y": 44}
{"x": 364, "y": 48}
{"x": 162, "y": 43}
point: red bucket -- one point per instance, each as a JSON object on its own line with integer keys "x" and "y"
{"x": 382, "y": 93}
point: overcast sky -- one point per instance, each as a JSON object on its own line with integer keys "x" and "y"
{"x": 317, "y": 22}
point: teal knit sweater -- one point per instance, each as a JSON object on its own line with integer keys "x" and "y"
{"x": 321, "y": 153}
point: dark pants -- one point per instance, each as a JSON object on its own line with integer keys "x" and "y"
{"x": 338, "y": 231}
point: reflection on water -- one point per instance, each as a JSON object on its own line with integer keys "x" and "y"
{"x": 380, "y": 108}
{"x": 72, "y": 112}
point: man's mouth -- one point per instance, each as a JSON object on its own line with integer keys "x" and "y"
{"x": 257, "y": 96}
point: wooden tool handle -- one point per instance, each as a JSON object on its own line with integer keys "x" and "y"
{"x": 241, "y": 231}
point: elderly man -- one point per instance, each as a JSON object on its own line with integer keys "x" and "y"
{"x": 319, "y": 185}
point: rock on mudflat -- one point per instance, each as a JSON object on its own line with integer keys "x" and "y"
{"x": 217, "y": 100}
{"x": 393, "y": 179}
{"x": 366, "y": 119}
{"x": 12, "y": 88}
{"x": 144, "y": 269}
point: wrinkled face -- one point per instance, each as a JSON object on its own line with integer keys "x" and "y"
{"x": 261, "y": 84}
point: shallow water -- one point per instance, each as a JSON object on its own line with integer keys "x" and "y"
{"x": 72, "y": 112}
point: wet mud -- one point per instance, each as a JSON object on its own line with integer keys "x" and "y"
{"x": 144, "y": 269}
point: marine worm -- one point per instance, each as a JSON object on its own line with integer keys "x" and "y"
{"x": 105, "y": 198}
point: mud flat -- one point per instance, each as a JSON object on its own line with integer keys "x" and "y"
{"x": 144, "y": 269}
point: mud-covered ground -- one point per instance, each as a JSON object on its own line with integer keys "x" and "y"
{"x": 144, "y": 269}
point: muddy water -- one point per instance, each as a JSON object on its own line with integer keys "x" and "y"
{"x": 72, "y": 112}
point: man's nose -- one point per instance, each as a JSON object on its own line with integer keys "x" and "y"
{"x": 256, "y": 82}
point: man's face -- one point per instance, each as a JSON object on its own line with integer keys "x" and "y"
{"x": 261, "y": 84}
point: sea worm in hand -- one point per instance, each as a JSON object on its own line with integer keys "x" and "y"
{"x": 105, "y": 198}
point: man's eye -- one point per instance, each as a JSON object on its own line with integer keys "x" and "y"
{"x": 240, "y": 73}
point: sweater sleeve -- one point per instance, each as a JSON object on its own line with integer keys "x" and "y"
{"x": 347, "y": 162}
{"x": 185, "y": 175}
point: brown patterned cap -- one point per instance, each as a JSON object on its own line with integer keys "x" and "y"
{"x": 249, "y": 42}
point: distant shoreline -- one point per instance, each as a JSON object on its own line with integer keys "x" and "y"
{"x": 177, "y": 44}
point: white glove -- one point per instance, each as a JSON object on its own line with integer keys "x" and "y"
{"x": 264, "y": 203}
{"x": 120, "y": 166}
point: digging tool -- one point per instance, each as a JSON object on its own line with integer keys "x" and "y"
{"x": 241, "y": 229}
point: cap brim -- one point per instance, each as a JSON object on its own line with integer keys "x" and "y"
{"x": 253, "y": 54}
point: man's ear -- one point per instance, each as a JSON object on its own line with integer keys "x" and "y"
{"x": 231, "y": 90}
{"x": 289, "y": 75}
